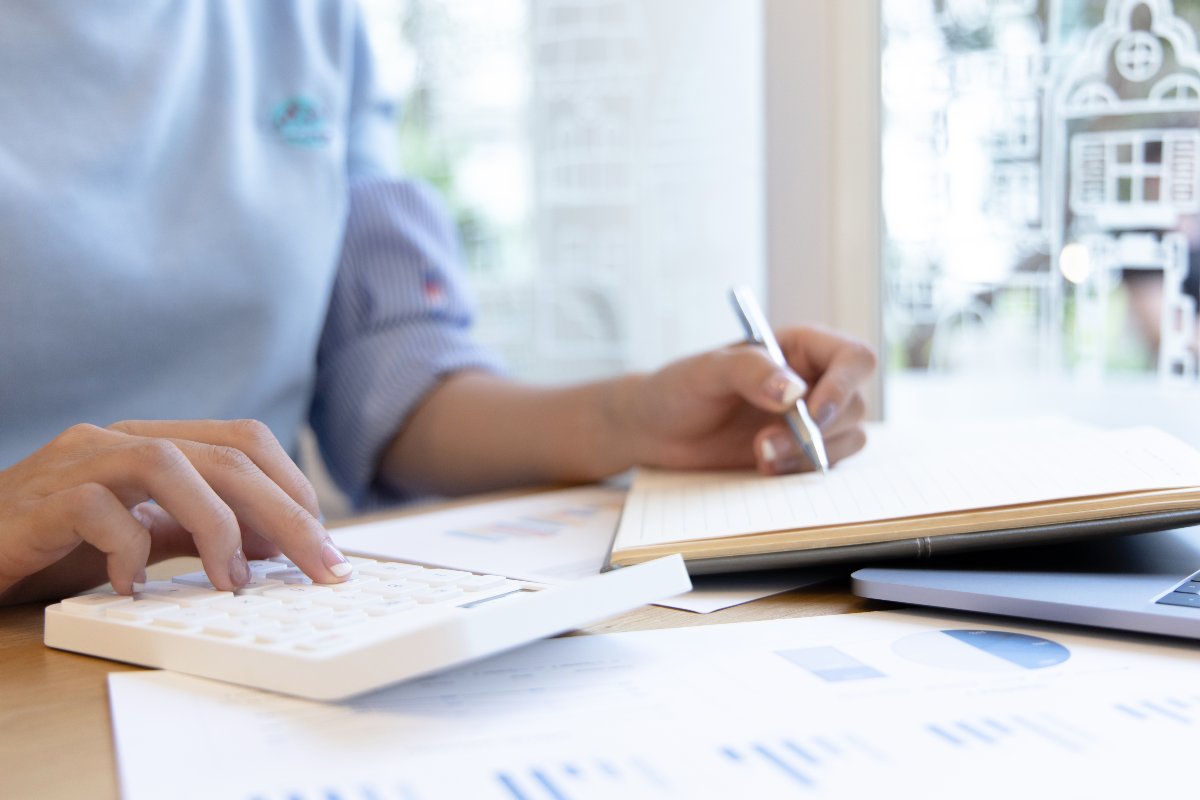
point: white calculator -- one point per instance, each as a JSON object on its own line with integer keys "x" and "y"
{"x": 389, "y": 622}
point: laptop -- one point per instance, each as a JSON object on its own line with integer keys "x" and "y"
{"x": 1149, "y": 582}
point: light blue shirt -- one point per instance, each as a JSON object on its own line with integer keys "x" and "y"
{"x": 187, "y": 190}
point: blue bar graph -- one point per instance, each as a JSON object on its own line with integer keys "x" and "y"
{"x": 547, "y": 783}
{"x": 784, "y": 766}
{"x": 802, "y": 761}
{"x": 945, "y": 735}
{"x": 993, "y": 732}
{"x": 830, "y": 664}
{"x": 1040, "y": 728}
{"x": 997, "y": 726}
{"x": 800, "y": 751}
{"x": 509, "y": 783}
{"x": 827, "y": 745}
{"x": 975, "y": 732}
{"x": 1172, "y": 709}
{"x": 1169, "y": 713}
{"x": 567, "y": 779}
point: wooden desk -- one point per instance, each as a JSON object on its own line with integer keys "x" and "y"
{"x": 55, "y": 729}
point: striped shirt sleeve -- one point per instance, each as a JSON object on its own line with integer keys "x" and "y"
{"x": 399, "y": 321}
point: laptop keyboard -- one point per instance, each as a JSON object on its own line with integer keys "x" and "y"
{"x": 1186, "y": 594}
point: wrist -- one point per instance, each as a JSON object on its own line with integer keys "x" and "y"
{"x": 622, "y": 440}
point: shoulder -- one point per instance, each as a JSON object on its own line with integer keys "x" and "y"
{"x": 317, "y": 30}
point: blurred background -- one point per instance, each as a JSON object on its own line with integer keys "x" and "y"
{"x": 603, "y": 159}
{"x": 1040, "y": 197}
{"x": 1000, "y": 195}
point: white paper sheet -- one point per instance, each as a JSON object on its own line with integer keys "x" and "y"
{"x": 846, "y": 706}
{"x": 714, "y": 592}
{"x": 550, "y": 537}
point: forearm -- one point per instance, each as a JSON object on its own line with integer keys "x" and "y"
{"x": 477, "y": 432}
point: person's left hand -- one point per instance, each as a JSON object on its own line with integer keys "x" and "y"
{"x": 722, "y": 409}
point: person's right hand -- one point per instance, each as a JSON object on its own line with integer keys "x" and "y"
{"x": 107, "y": 501}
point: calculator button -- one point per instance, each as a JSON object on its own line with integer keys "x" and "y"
{"x": 238, "y": 627}
{"x": 139, "y": 610}
{"x": 477, "y": 583}
{"x": 265, "y": 567}
{"x": 396, "y": 588}
{"x": 288, "y": 614}
{"x": 284, "y": 633}
{"x": 244, "y": 604}
{"x": 94, "y": 604}
{"x": 347, "y": 601}
{"x": 187, "y": 618}
{"x": 340, "y": 620}
{"x": 296, "y": 591}
{"x": 181, "y": 593}
{"x": 439, "y": 577}
{"x": 292, "y": 575}
{"x": 389, "y": 606}
{"x": 389, "y": 569}
{"x": 194, "y": 579}
{"x": 258, "y": 584}
{"x": 438, "y": 594}
{"x": 354, "y": 583}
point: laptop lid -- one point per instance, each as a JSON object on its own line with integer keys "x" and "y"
{"x": 1127, "y": 583}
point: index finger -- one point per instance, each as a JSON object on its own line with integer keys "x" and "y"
{"x": 264, "y": 507}
{"x": 248, "y": 468}
{"x": 836, "y": 364}
{"x": 250, "y": 436}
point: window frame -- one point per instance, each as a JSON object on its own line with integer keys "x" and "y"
{"x": 822, "y": 155}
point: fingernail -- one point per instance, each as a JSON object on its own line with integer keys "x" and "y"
{"x": 239, "y": 570}
{"x": 785, "y": 387}
{"x": 825, "y": 414}
{"x": 334, "y": 560}
{"x": 140, "y": 513}
{"x": 781, "y": 454}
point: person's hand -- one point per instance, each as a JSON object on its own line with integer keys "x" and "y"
{"x": 722, "y": 409}
{"x": 106, "y": 501}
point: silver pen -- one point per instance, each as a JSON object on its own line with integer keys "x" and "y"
{"x": 799, "y": 421}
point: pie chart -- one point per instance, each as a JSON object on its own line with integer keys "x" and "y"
{"x": 979, "y": 650}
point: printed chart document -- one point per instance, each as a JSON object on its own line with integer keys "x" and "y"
{"x": 846, "y": 706}
{"x": 1002, "y": 477}
{"x": 549, "y": 537}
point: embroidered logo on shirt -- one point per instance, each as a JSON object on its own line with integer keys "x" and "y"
{"x": 434, "y": 290}
{"x": 300, "y": 121}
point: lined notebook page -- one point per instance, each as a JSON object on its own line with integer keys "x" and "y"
{"x": 993, "y": 467}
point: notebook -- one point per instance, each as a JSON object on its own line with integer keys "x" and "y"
{"x": 919, "y": 493}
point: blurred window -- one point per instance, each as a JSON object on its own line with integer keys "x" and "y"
{"x": 603, "y": 160}
{"x": 1041, "y": 207}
